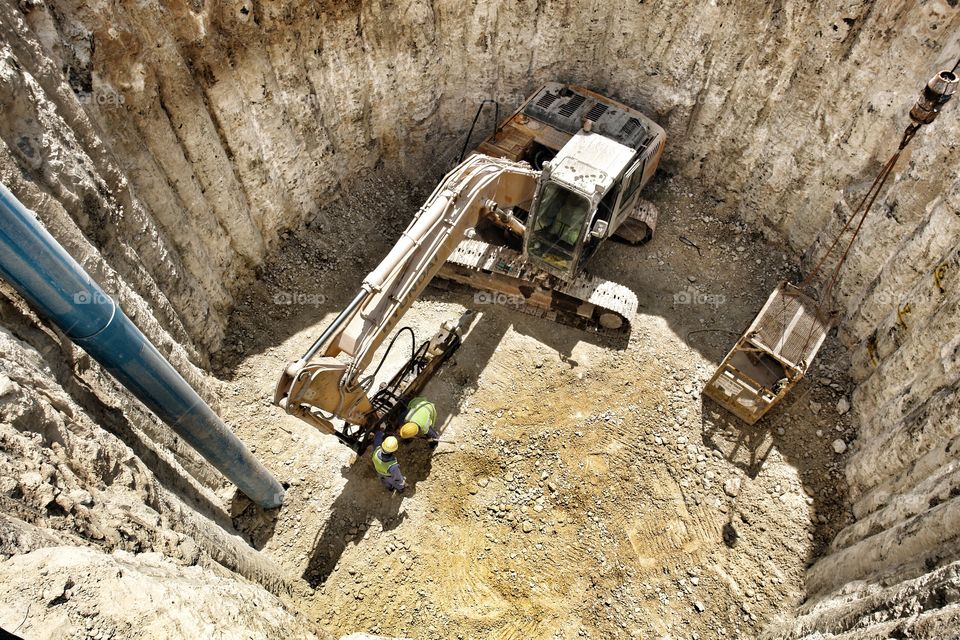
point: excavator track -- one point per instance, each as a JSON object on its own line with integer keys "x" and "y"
{"x": 504, "y": 277}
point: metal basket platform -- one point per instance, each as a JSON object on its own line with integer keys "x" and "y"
{"x": 772, "y": 355}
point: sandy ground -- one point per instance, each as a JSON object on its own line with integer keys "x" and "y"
{"x": 587, "y": 490}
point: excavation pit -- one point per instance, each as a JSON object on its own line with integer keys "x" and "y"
{"x": 587, "y": 485}
{"x": 230, "y": 172}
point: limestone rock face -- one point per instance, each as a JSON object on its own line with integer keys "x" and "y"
{"x": 167, "y": 145}
{"x": 60, "y": 592}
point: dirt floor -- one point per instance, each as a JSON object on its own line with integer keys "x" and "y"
{"x": 586, "y": 488}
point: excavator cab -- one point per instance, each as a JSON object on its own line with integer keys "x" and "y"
{"x": 585, "y": 193}
{"x": 595, "y": 154}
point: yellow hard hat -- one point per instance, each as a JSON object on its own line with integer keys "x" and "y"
{"x": 390, "y": 444}
{"x": 409, "y": 430}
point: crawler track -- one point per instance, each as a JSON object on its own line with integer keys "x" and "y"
{"x": 589, "y": 303}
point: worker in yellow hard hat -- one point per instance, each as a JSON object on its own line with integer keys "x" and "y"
{"x": 385, "y": 462}
{"x": 419, "y": 421}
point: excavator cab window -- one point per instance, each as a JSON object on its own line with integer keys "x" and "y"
{"x": 633, "y": 180}
{"x": 560, "y": 217}
{"x": 609, "y": 203}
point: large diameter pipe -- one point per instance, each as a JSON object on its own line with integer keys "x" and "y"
{"x": 41, "y": 270}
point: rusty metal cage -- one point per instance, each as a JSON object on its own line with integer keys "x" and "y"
{"x": 771, "y": 356}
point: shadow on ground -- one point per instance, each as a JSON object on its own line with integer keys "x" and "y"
{"x": 366, "y": 501}
{"x": 802, "y": 429}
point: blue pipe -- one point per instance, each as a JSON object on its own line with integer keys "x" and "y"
{"x": 41, "y": 270}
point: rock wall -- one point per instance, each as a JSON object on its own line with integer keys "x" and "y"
{"x": 168, "y": 144}
{"x": 90, "y": 594}
{"x": 900, "y": 308}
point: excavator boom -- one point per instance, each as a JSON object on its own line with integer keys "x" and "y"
{"x": 320, "y": 387}
{"x": 455, "y": 207}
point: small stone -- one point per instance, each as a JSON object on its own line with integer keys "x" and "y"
{"x": 483, "y": 482}
{"x": 732, "y": 487}
{"x": 843, "y": 405}
{"x": 527, "y": 526}
{"x": 60, "y": 589}
{"x": 7, "y": 386}
{"x": 82, "y": 497}
{"x": 839, "y": 446}
{"x": 508, "y": 478}
{"x": 699, "y": 606}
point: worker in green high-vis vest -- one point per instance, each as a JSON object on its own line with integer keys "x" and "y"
{"x": 419, "y": 421}
{"x": 385, "y": 462}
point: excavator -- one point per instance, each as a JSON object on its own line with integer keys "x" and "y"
{"x": 519, "y": 218}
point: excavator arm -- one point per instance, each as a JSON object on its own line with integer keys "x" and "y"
{"x": 325, "y": 383}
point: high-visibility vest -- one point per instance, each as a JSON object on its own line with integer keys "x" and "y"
{"x": 423, "y": 413}
{"x": 382, "y": 466}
